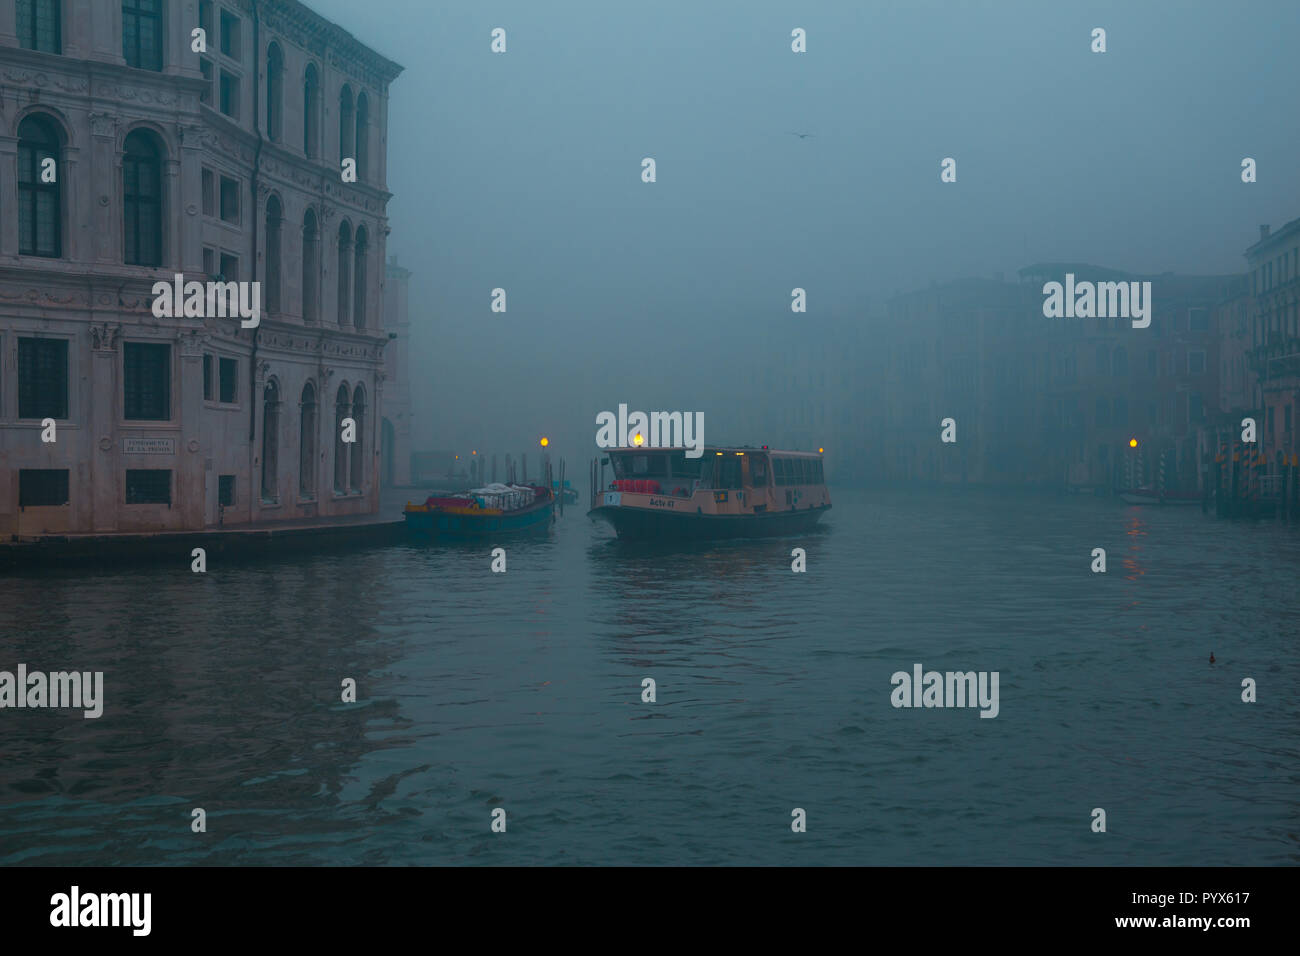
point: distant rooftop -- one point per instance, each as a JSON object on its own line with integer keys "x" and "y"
{"x": 1057, "y": 270}
{"x": 1269, "y": 238}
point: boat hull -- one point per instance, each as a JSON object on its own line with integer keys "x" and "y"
{"x": 436, "y": 523}
{"x": 644, "y": 524}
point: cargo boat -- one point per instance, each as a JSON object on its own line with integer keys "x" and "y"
{"x": 491, "y": 511}
{"x": 727, "y": 492}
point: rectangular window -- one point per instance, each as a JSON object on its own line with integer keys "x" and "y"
{"x": 38, "y": 25}
{"x": 205, "y": 94}
{"x": 229, "y": 200}
{"x": 205, "y": 16}
{"x": 146, "y": 381}
{"x": 226, "y": 490}
{"x": 209, "y": 189}
{"x": 229, "y": 380}
{"x": 728, "y": 471}
{"x": 230, "y": 35}
{"x": 42, "y": 378}
{"x": 1195, "y": 410}
{"x": 42, "y": 487}
{"x": 1199, "y": 319}
{"x": 142, "y": 35}
{"x": 1195, "y": 363}
{"x": 229, "y": 95}
{"x": 207, "y": 377}
{"x": 209, "y": 261}
{"x": 149, "y": 486}
{"x": 229, "y": 268}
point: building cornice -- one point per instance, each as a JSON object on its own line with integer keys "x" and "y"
{"x": 300, "y": 24}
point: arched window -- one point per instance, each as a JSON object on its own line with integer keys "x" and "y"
{"x": 341, "y": 409}
{"x": 270, "y": 440}
{"x": 40, "y": 204}
{"x": 274, "y": 91}
{"x": 363, "y": 136}
{"x": 359, "y": 280}
{"x": 142, "y": 34}
{"x": 310, "y": 268}
{"x": 311, "y": 113}
{"x": 345, "y": 275}
{"x": 274, "y": 216}
{"x": 359, "y": 446}
{"x": 39, "y": 26}
{"x": 307, "y": 443}
{"x": 347, "y": 129}
{"x": 142, "y": 200}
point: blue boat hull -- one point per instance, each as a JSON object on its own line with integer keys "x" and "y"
{"x": 440, "y": 524}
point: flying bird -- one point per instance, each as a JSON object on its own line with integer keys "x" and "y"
{"x": 801, "y": 135}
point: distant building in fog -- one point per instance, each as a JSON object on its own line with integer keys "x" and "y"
{"x": 395, "y": 440}
{"x": 223, "y": 163}
{"x": 1274, "y": 271}
{"x": 1108, "y": 382}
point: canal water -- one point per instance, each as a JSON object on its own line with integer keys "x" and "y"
{"x": 523, "y": 691}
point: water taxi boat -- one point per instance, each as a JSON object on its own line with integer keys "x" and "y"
{"x": 491, "y": 511}
{"x": 728, "y": 492}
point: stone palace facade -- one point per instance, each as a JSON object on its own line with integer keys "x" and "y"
{"x": 127, "y": 157}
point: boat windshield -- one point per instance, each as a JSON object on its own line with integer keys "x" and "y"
{"x": 675, "y": 473}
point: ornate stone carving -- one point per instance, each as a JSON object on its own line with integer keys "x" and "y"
{"x": 104, "y": 336}
{"x": 192, "y": 343}
{"x": 31, "y": 78}
{"x": 103, "y": 124}
{"x": 133, "y": 94}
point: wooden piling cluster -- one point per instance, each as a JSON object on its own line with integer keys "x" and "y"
{"x": 1244, "y": 486}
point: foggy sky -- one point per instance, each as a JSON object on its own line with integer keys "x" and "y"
{"x": 522, "y": 171}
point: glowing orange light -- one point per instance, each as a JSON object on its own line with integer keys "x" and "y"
{"x": 545, "y": 441}
{"x": 821, "y": 451}
{"x": 637, "y": 439}
{"x": 1132, "y": 443}
{"x": 474, "y": 453}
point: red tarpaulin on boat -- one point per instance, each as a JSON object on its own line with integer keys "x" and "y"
{"x": 433, "y": 502}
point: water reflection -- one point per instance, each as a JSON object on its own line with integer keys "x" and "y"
{"x": 523, "y": 689}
